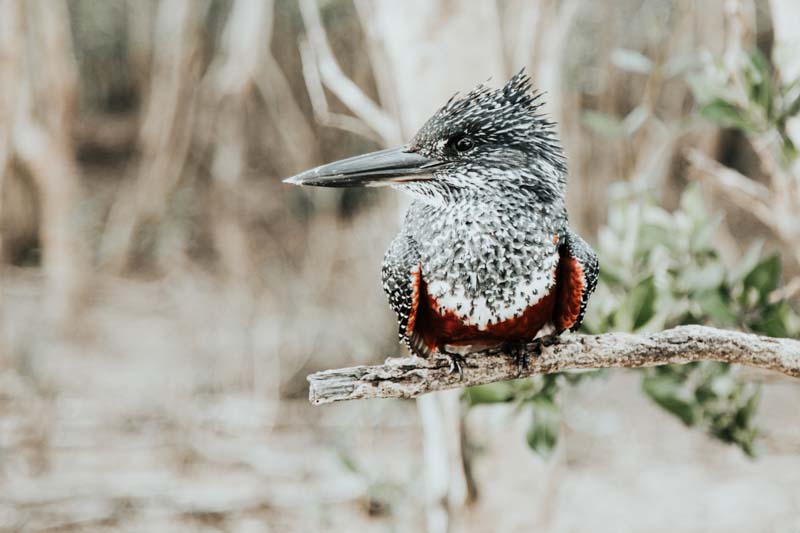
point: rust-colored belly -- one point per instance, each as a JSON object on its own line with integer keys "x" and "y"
{"x": 441, "y": 327}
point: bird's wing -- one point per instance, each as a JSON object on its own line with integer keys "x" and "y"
{"x": 401, "y": 274}
{"x": 578, "y": 268}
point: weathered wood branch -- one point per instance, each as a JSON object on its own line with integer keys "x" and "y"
{"x": 411, "y": 377}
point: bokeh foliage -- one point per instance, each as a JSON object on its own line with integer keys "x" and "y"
{"x": 661, "y": 269}
{"x": 754, "y": 101}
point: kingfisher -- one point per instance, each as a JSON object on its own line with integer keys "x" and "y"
{"x": 485, "y": 255}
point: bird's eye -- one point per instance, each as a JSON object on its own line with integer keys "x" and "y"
{"x": 462, "y": 143}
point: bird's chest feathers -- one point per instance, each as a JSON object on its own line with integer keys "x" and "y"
{"x": 484, "y": 273}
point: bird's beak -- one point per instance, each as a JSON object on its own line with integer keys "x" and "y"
{"x": 395, "y": 165}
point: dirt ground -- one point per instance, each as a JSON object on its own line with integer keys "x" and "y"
{"x": 131, "y": 423}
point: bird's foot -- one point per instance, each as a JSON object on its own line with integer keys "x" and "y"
{"x": 548, "y": 340}
{"x": 456, "y": 362}
{"x": 521, "y": 351}
{"x": 518, "y": 350}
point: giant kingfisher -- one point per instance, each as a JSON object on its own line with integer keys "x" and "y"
{"x": 485, "y": 255}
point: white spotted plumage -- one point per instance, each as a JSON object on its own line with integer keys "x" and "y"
{"x": 486, "y": 231}
{"x": 476, "y": 310}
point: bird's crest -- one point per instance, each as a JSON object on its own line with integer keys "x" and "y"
{"x": 508, "y": 115}
{"x": 517, "y": 96}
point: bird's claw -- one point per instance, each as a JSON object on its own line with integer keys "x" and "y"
{"x": 520, "y": 352}
{"x": 549, "y": 340}
{"x": 456, "y": 363}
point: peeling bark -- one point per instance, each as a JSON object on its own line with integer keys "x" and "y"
{"x": 411, "y": 377}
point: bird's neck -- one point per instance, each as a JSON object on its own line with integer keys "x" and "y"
{"x": 501, "y": 227}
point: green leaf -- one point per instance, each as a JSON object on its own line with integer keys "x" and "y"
{"x": 668, "y": 392}
{"x": 693, "y": 204}
{"x": 703, "y": 278}
{"x": 604, "y": 124}
{"x": 759, "y": 76}
{"x": 680, "y": 64}
{"x": 545, "y": 387}
{"x": 731, "y": 419}
{"x": 631, "y": 61}
{"x": 542, "y": 435}
{"x": 790, "y": 109}
{"x": 650, "y": 235}
{"x": 723, "y": 385}
{"x": 764, "y": 277}
{"x": 703, "y": 233}
{"x": 703, "y": 87}
{"x": 348, "y": 462}
{"x": 576, "y": 376}
{"x": 715, "y": 304}
{"x": 726, "y": 115}
{"x": 748, "y": 261}
{"x": 774, "y": 321}
{"x": 611, "y": 276}
{"x": 747, "y": 440}
{"x": 643, "y": 302}
{"x": 635, "y": 120}
{"x": 746, "y": 413}
{"x": 500, "y": 392}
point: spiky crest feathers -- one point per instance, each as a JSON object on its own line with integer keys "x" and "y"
{"x": 483, "y": 111}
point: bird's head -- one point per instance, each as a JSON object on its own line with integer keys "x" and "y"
{"x": 490, "y": 143}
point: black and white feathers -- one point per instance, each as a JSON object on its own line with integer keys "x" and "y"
{"x": 484, "y": 232}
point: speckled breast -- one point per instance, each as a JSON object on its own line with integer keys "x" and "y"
{"x": 439, "y": 325}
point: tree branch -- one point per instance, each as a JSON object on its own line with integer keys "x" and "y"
{"x": 319, "y": 103}
{"x": 410, "y": 377}
{"x": 774, "y": 208}
{"x": 339, "y": 84}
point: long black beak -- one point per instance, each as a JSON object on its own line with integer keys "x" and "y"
{"x": 369, "y": 170}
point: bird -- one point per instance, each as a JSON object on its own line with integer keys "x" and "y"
{"x": 485, "y": 255}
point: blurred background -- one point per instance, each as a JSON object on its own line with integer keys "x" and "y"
{"x": 163, "y": 295}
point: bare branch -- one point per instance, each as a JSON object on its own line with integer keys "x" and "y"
{"x": 319, "y": 104}
{"x": 342, "y": 86}
{"x": 787, "y": 292}
{"x": 772, "y": 209}
{"x": 165, "y": 135}
{"x": 743, "y": 191}
{"x": 528, "y": 15}
{"x": 40, "y": 139}
{"x": 298, "y": 142}
{"x": 378, "y": 58}
{"x": 10, "y": 45}
{"x": 411, "y": 377}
